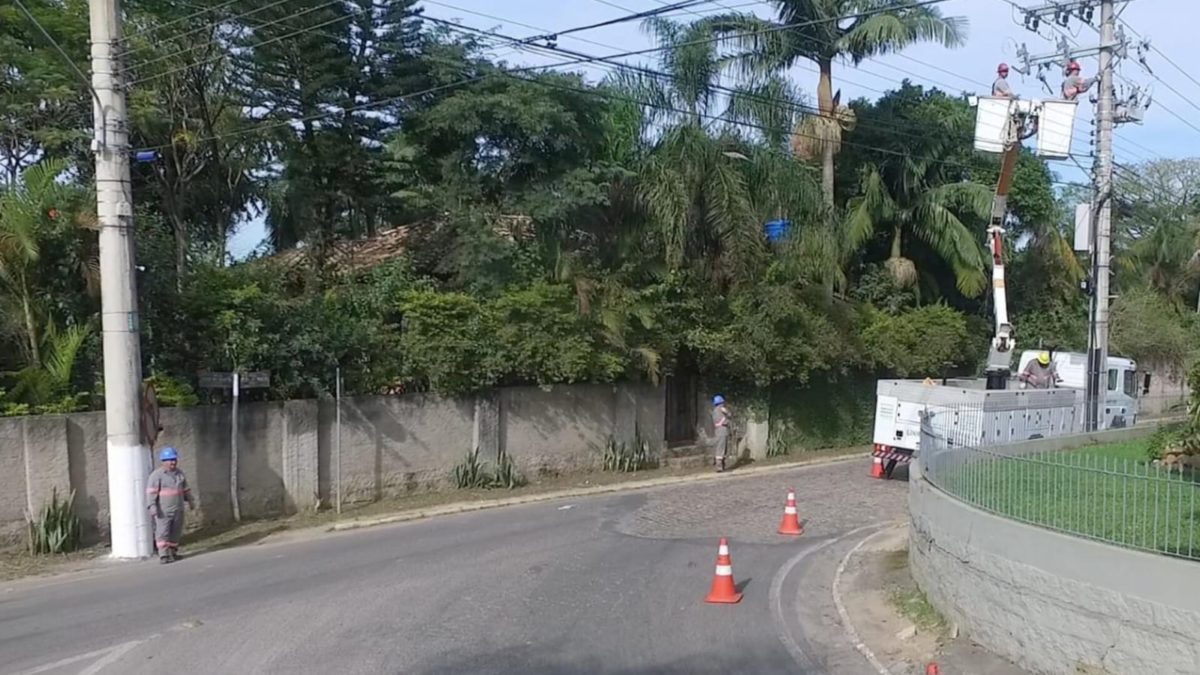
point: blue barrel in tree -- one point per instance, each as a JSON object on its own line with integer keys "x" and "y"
{"x": 776, "y": 230}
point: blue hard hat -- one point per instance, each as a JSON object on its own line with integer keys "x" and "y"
{"x": 718, "y": 399}
{"x": 168, "y": 454}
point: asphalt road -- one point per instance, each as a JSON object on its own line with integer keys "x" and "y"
{"x": 611, "y": 584}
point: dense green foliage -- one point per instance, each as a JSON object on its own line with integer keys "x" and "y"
{"x": 557, "y": 229}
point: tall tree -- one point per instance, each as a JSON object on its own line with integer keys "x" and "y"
{"x": 703, "y": 182}
{"x": 184, "y": 105}
{"x": 45, "y": 106}
{"x": 914, "y": 190}
{"x": 822, "y": 31}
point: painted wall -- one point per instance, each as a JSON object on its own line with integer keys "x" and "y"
{"x": 289, "y": 451}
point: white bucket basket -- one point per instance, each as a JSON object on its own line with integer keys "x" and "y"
{"x": 991, "y": 121}
{"x": 1056, "y": 127}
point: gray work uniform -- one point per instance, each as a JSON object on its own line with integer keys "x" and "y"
{"x": 166, "y": 493}
{"x": 1000, "y": 88}
{"x": 1040, "y": 377}
{"x": 1073, "y": 86}
{"x": 720, "y": 420}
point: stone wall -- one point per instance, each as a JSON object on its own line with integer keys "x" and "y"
{"x": 1052, "y": 603}
{"x": 289, "y": 452}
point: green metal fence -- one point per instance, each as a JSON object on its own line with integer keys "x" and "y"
{"x": 1100, "y": 492}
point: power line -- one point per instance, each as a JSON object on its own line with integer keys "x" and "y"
{"x": 520, "y": 43}
{"x": 234, "y": 19}
{"x": 157, "y": 27}
{"x": 58, "y": 48}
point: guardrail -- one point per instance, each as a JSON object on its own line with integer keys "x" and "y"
{"x": 1112, "y": 493}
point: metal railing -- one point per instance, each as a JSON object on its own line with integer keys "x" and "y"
{"x": 1114, "y": 493}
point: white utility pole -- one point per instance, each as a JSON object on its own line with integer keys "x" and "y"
{"x": 1098, "y": 340}
{"x": 128, "y": 459}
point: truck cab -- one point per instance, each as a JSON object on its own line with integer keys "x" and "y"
{"x": 1120, "y": 399}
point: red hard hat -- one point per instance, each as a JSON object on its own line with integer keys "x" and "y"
{"x": 1002, "y": 68}
{"x": 1073, "y": 66}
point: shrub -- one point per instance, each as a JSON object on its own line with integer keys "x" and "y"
{"x": 629, "y": 457}
{"x": 56, "y": 529}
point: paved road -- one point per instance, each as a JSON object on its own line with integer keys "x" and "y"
{"x": 608, "y": 584}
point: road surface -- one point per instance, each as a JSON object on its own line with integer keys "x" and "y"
{"x": 611, "y": 584}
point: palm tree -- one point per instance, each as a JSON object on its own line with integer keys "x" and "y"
{"x": 821, "y": 31}
{"x": 27, "y": 211}
{"x": 909, "y": 206}
{"x": 703, "y": 182}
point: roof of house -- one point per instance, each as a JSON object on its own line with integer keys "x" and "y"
{"x": 356, "y": 255}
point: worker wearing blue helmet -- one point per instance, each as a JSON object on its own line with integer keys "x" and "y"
{"x": 721, "y": 422}
{"x": 166, "y": 492}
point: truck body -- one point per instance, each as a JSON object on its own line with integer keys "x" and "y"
{"x": 970, "y": 414}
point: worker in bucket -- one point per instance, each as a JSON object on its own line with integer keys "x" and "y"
{"x": 721, "y": 420}
{"x": 1074, "y": 84}
{"x": 1040, "y": 373}
{"x": 1001, "y": 88}
{"x": 166, "y": 492}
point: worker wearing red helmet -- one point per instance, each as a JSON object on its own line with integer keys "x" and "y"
{"x": 1000, "y": 88}
{"x": 1074, "y": 84}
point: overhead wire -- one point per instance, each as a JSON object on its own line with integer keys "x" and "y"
{"x": 581, "y": 59}
{"x": 807, "y": 67}
{"x": 153, "y": 28}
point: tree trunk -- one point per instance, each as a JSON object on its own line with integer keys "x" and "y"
{"x": 825, "y": 107}
{"x": 896, "y": 243}
{"x": 35, "y": 350}
{"x": 181, "y": 249}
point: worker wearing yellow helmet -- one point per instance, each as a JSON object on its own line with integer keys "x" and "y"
{"x": 1040, "y": 373}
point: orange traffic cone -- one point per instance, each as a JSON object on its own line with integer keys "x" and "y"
{"x": 723, "y": 591}
{"x": 791, "y": 519}
{"x": 877, "y": 468}
{"x": 932, "y": 669}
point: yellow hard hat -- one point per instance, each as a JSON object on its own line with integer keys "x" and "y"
{"x": 1044, "y": 358}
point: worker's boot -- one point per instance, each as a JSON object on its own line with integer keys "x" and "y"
{"x": 720, "y": 464}
{"x": 164, "y": 556}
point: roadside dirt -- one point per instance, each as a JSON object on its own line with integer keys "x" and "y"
{"x": 895, "y": 621}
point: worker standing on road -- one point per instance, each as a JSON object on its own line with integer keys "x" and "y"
{"x": 721, "y": 422}
{"x": 1000, "y": 87}
{"x": 1074, "y": 85}
{"x": 1040, "y": 373}
{"x": 166, "y": 492}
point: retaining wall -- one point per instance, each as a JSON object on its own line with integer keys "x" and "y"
{"x": 1053, "y": 603}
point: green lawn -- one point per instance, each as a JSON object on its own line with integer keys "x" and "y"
{"x": 1106, "y": 492}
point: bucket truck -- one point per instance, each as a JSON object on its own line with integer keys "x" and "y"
{"x": 985, "y": 411}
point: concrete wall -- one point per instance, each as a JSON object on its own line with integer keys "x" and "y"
{"x": 1053, "y": 603}
{"x": 288, "y": 451}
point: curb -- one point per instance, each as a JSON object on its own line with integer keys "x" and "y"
{"x": 848, "y": 624}
{"x": 467, "y": 507}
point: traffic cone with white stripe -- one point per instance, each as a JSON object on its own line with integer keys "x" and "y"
{"x": 791, "y": 519}
{"x": 877, "y": 468}
{"x": 723, "y": 590}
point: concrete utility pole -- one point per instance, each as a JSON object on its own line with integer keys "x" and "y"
{"x": 1098, "y": 340}
{"x": 128, "y": 459}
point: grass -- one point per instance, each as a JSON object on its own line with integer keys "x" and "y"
{"x": 914, "y": 606}
{"x": 1107, "y": 492}
{"x": 15, "y": 561}
{"x": 908, "y": 600}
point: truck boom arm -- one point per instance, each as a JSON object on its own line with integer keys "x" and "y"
{"x": 1000, "y": 355}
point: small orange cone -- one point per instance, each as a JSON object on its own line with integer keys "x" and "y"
{"x": 877, "y": 468}
{"x": 723, "y": 591}
{"x": 791, "y": 519}
{"x": 932, "y": 669}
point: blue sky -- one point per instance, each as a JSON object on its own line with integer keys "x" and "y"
{"x": 995, "y": 35}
